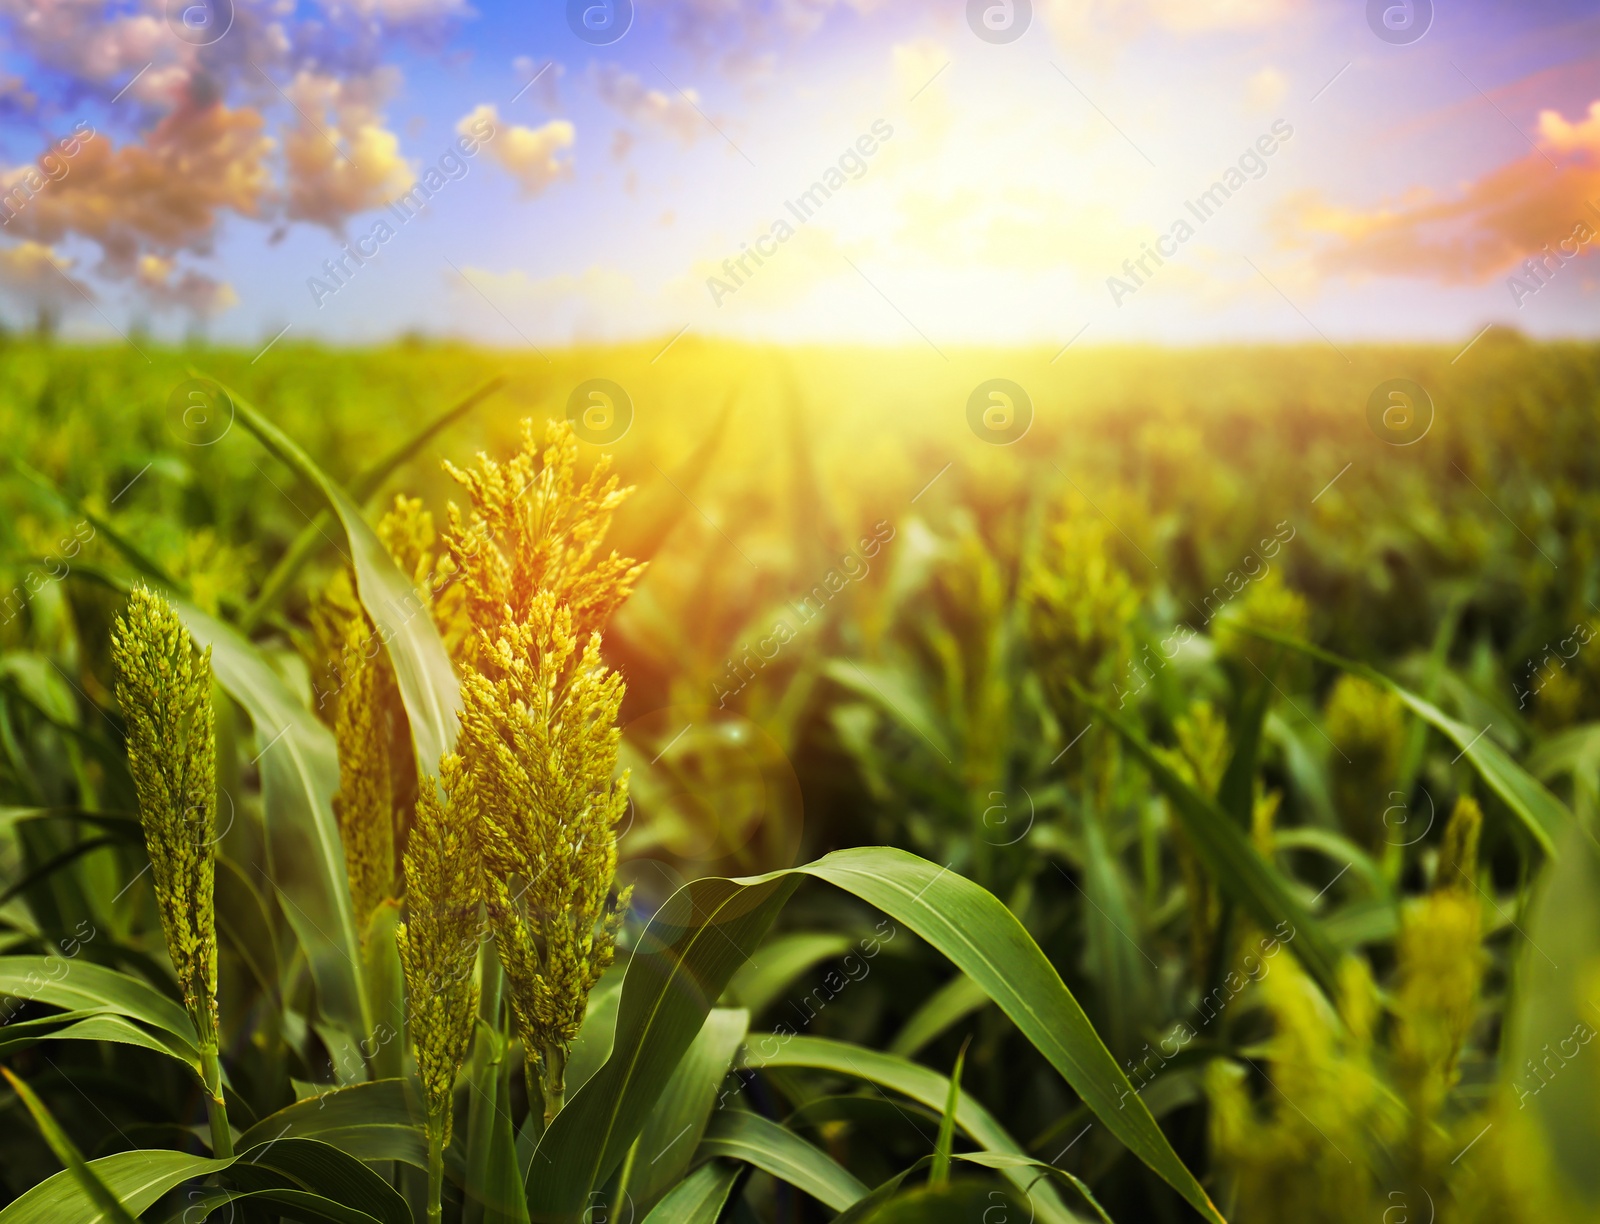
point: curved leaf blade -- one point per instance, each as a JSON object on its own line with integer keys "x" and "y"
{"x": 97, "y": 1026}
{"x": 137, "y": 1178}
{"x": 987, "y": 942}
{"x": 709, "y": 927}
{"x": 1544, "y": 816}
{"x": 685, "y": 956}
{"x": 698, "y": 1198}
{"x": 375, "y": 1121}
{"x": 109, "y": 1207}
{"x": 1243, "y": 875}
{"x": 666, "y": 1146}
{"x": 758, "y": 986}
{"x": 80, "y": 985}
{"x": 312, "y": 538}
{"x": 740, "y": 1135}
{"x": 1011, "y": 1167}
{"x": 422, "y": 668}
{"x": 908, "y": 1079}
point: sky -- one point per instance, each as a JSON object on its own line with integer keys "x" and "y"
{"x": 880, "y": 171}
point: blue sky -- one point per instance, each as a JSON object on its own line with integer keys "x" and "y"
{"x": 1418, "y": 179}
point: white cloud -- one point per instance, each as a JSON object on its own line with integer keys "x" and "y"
{"x": 340, "y": 158}
{"x": 532, "y": 156}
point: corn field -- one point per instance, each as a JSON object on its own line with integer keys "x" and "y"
{"x": 795, "y": 809}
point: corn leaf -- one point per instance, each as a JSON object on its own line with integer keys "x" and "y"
{"x": 108, "y": 1206}
{"x": 1544, "y": 816}
{"x": 427, "y": 682}
{"x": 380, "y": 1120}
{"x": 986, "y": 941}
{"x": 139, "y": 1178}
{"x": 80, "y": 985}
{"x": 1552, "y": 1019}
{"x": 320, "y": 1169}
{"x": 202, "y": 1202}
{"x": 945, "y": 1143}
{"x": 313, "y": 537}
{"x": 493, "y": 1190}
{"x": 96, "y": 1026}
{"x": 666, "y": 1146}
{"x": 738, "y": 1134}
{"x": 243, "y": 925}
{"x": 1023, "y": 1171}
{"x": 926, "y": 1087}
{"x": 1236, "y": 794}
{"x": 706, "y": 929}
{"x": 758, "y": 985}
{"x": 698, "y": 1198}
{"x": 1244, "y": 877}
{"x": 684, "y": 958}
{"x": 593, "y": 1046}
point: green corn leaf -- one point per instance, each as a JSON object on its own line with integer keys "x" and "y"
{"x": 1575, "y": 753}
{"x": 385, "y": 991}
{"x": 427, "y": 682}
{"x": 313, "y": 537}
{"x": 945, "y": 1143}
{"x": 1552, "y": 1020}
{"x": 737, "y": 1134}
{"x": 493, "y": 1189}
{"x": 707, "y": 928}
{"x": 593, "y": 1046}
{"x": 698, "y": 1198}
{"x": 380, "y": 1120}
{"x": 97, "y": 1026}
{"x": 1245, "y": 878}
{"x": 1544, "y": 816}
{"x": 685, "y": 956}
{"x": 1114, "y": 960}
{"x": 666, "y": 1146}
{"x": 130, "y": 551}
{"x": 1336, "y": 846}
{"x": 1023, "y": 1171}
{"x": 949, "y": 1005}
{"x": 887, "y": 689}
{"x": 243, "y": 926}
{"x": 986, "y": 941}
{"x": 318, "y": 1168}
{"x": 124, "y": 826}
{"x": 299, "y": 767}
{"x": 81, "y": 985}
{"x": 1236, "y": 794}
{"x": 107, "y": 1206}
{"x": 139, "y": 1178}
{"x": 899, "y": 1075}
{"x": 201, "y": 1202}
{"x": 55, "y": 863}
{"x": 877, "y": 1114}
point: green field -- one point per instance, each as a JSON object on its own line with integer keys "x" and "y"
{"x": 1238, "y": 769}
